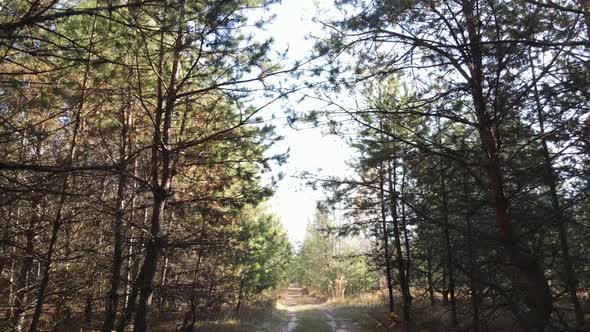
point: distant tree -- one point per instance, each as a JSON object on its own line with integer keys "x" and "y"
{"x": 330, "y": 265}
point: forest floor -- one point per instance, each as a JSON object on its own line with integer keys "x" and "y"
{"x": 299, "y": 311}
{"x": 308, "y": 313}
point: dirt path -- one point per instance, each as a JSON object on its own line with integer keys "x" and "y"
{"x": 337, "y": 325}
{"x": 293, "y": 302}
{"x": 307, "y": 313}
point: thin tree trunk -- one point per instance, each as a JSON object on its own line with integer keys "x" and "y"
{"x": 429, "y": 277}
{"x": 585, "y": 4}
{"x": 445, "y": 289}
{"x": 160, "y": 299}
{"x": 191, "y": 313}
{"x": 145, "y": 281}
{"x": 112, "y": 301}
{"x": 132, "y": 291}
{"x": 45, "y": 273}
{"x": 473, "y": 269}
{"x": 129, "y": 310}
{"x": 57, "y": 222}
{"x": 11, "y": 291}
{"x": 193, "y": 306}
{"x": 401, "y": 271}
{"x": 449, "y": 253}
{"x": 131, "y": 266}
{"x": 385, "y": 239}
{"x": 24, "y": 277}
{"x": 404, "y": 226}
{"x": 240, "y": 295}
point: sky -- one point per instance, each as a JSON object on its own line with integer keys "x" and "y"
{"x": 309, "y": 150}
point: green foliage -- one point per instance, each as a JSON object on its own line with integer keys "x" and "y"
{"x": 328, "y": 263}
{"x": 265, "y": 255}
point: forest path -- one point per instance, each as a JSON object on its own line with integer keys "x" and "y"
{"x": 308, "y": 313}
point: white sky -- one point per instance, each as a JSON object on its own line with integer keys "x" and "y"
{"x": 294, "y": 203}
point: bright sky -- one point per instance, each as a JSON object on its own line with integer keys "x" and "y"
{"x": 310, "y": 150}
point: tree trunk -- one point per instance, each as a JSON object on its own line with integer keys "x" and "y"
{"x": 130, "y": 309}
{"x": 445, "y": 290}
{"x": 145, "y": 281}
{"x": 538, "y": 295}
{"x": 57, "y": 222}
{"x": 449, "y": 253}
{"x": 112, "y": 301}
{"x": 398, "y": 246}
{"x": 192, "y": 312}
{"x": 551, "y": 182}
{"x": 585, "y": 4}
{"x": 24, "y": 277}
{"x": 161, "y": 170}
{"x": 132, "y": 274}
{"x": 404, "y": 225}
{"x": 45, "y": 275}
{"x": 240, "y": 295}
{"x": 385, "y": 239}
{"x": 429, "y": 277}
{"x": 473, "y": 269}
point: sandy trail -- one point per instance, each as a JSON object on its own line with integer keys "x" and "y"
{"x": 296, "y": 300}
{"x": 335, "y": 324}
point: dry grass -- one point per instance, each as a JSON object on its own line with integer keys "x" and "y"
{"x": 370, "y": 311}
{"x": 250, "y": 319}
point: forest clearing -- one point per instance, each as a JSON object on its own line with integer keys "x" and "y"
{"x": 294, "y": 165}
